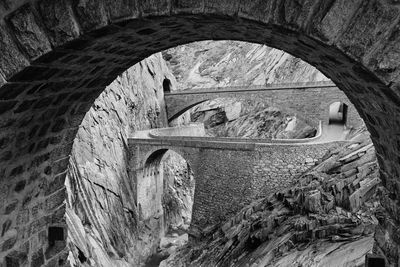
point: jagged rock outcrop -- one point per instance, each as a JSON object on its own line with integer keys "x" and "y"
{"x": 330, "y": 209}
{"x": 223, "y": 118}
{"x": 102, "y": 213}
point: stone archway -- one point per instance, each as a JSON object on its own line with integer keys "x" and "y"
{"x": 155, "y": 183}
{"x": 150, "y": 182}
{"x": 166, "y": 85}
{"x": 338, "y": 112}
{"x": 57, "y": 56}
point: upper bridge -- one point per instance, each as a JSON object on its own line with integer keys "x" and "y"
{"x": 309, "y": 101}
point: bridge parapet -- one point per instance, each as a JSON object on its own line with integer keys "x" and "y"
{"x": 193, "y": 129}
{"x": 238, "y": 88}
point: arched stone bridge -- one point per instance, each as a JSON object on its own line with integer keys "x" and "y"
{"x": 310, "y": 101}
{"x": 229, "y": 172}
{"x": 57, "y": 56}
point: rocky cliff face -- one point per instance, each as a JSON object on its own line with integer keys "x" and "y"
{"x": 231, "y": 63}
{"x": 102, "y": 213}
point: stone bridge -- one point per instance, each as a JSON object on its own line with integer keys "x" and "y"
{"x": 310, "y": 101}
{"x": 57, "y": 56}
{"x": 229, "y": 172}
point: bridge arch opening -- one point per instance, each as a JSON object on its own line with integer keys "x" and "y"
{"x": 167, "y": 189}
{"x": 167, "y": 85}
{"x": 228, "y": 114}
{"x": 338, "y": 112}
{"x": 51, "y": 74}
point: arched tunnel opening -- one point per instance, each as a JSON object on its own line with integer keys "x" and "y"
{"x": 338, "y": 113}
{"x": 167, "y": 85}
{"x": 166, "y": 194}
{"x": 52, "y": 69}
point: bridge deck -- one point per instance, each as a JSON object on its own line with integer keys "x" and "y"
{"x": 166, "y": 137}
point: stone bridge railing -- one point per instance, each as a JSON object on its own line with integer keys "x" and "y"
{"x": 196, "y": 132}
{"x": 236, "y": 88}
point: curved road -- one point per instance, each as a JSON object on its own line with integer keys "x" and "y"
{"x": 195, "y": 133}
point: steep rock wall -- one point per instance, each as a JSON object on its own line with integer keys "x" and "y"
{"x": 102, "y": 213}
{"x": 223, "y": 63}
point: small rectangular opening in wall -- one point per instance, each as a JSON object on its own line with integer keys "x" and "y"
{"x": 55, "y": 234}
{"x": 372, "y": 260}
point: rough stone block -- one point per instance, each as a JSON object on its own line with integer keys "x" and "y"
{"x": 187, "y": 6}
{"x": 155, "y": 7}
{"x": 258, "y": 9}
{"x": 298, "y": 14}
{"x": 27, "y": 31}
{"x": 337, "y": 19}
{"x": 91, "y": 14}
{"x": 122, "y": 9}
{"x": 58, "y": 19}
{"x": 224, "y": 7}
{"x": 11, "y": 60}
{"x": 368, "y": 27}
{"x": 385, "y": 58}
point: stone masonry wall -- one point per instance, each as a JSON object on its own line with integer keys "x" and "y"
{"x": 227, "y": 175}
{"x": 227, "y": 180}
{"x": 311, "y": 104}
